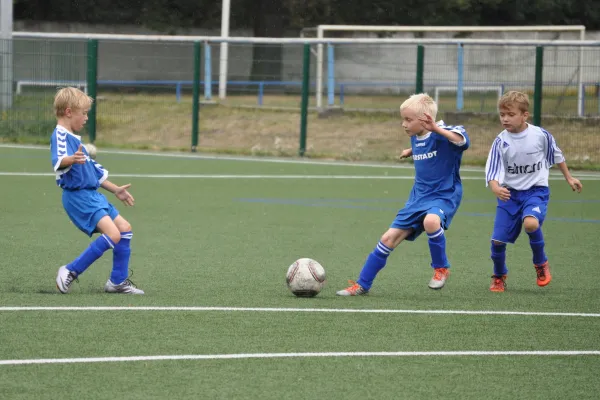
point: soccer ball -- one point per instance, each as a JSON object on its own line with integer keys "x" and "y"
{"x": 91, "y": 149}
{"x": 305, "y": 277}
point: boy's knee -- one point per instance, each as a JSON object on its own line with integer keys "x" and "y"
{"x": 388, "y": 239}
{"x": 531, "y": 224}
{"x": 114, "y": 236}
{"x": 123, "y": 225}
{"x": 393, "y": 237}
{"x": 432, "y": 223}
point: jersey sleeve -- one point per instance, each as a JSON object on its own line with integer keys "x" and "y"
{"x": 494, "y": 167}
{"x": 58, "y": 149}
{"x": 101, "y": 172}
{"x": 554, "y": 154}
{"x": 465, "y": 142}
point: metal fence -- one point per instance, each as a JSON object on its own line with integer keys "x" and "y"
{"x": 163, "y": 92}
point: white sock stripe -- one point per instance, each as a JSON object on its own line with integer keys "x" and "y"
{"x": 436, "y": 234}
{"x": 126, "y": 235}
{"x": 383, "y": 248}
{"x": 110, "y": 242}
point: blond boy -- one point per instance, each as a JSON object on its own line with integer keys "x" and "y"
{"x": 437, "y": 192}
{"x": 517, "y": 172}
{"x": 80, "y": 177}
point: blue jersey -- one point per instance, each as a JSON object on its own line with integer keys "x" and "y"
{"x": 77, "y": 176}
{"x": 437, "y": 163}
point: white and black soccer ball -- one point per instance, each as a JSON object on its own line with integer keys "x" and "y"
{"x": 91, "y": 149}
{"x": 305, "y": 277}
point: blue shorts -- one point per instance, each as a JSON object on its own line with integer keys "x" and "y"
{"x": 86, "y": 208}
{"x": 522, "y": 203}
{"x": 412, "y": 217}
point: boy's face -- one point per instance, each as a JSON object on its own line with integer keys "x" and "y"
{"x": 513, "y": 119}
{"x": 410, "y": 122}
{"x": 78, "y": 118}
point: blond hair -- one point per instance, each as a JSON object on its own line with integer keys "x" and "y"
{"x": 420, "y": 103}
{"x": 73, "y": 98}
{"x": 514, "y": 98}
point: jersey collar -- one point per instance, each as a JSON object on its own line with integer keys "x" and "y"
{"x": 63, "y": 129}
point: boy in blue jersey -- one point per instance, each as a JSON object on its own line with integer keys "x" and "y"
{"x": 436, "y": 194}
{"x": 517, "y": 172}
{"x": 80, "y": 177}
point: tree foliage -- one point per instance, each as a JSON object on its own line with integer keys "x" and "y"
{"x": 170, "y": 15}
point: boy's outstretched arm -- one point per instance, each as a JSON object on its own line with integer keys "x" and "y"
{"x": 119, "y": 191}
{"x": 406, "y": 153}
{"x": 428, "y": 123}
{"x": 573, "y": 182}
{"x": 77, "y": 158}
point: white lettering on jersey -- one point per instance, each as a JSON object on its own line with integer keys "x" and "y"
{"x": 522, "y": 160}
{"x": 424, "y": 156}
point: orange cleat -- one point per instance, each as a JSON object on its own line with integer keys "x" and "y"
{"x": 498, "y": 283}
{"x": 439, "y": 278}
{"x": 353, "y": 290}
{"x": 543, "y": 274}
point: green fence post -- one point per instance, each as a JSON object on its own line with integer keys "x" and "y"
{"x": 537, "y": 91}
{"x": 304, "y": 102}
{"x": 196, "y": 98}
{"x": 420, "y": 68}
{"x": 92, "y": 78}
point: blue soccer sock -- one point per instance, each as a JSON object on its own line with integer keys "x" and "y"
{"x": 437, "y": 248}
{"x": 536, "y": 241}
{"x": 374, "y": 263}
{"x": 91, "y": 254}
{"x": 499, "y": 259}
{"x": 121, "y": 254}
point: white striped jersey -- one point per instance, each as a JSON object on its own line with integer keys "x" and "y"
{"x": 77, "y": 176}
{"x": 522, "y": 160}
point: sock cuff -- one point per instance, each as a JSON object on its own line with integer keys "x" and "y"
{"x": 127, "y": 235}
{"x": 536, "y": 232}
{"x": 383, "y": 249}
{"x": 435, "y": 234}
{"x": 536, "y": 236}
{"x": 109, "y": 241}
{"x": 501, "y": 246}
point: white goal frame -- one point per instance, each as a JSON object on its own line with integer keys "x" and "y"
{"x": 321, "y": 29}
{"x": 55, "y": 84}
{"x": 499, "y": 89}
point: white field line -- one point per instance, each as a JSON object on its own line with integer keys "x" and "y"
{"x": 267, "y": 159}
{"x": 304, "y": 355}
{"x": 302, "y": 310}
{"x": 238, "y": 176}
{"x": 200, "y": 156}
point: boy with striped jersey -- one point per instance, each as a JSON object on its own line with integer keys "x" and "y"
{"x": 80, "y": 177}
{"x": 436, "y": 194}
{"x": 517, "y": 171}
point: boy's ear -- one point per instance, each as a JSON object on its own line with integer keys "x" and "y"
{"x": 68, "y": 112}
{"x": 526, "y": 114}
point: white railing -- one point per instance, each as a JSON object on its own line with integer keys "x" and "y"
{"x": 580, "y": 44}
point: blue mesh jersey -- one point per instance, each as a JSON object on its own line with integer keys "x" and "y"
{"x": 77, "y": 176}
{"x": 437, "y": 163}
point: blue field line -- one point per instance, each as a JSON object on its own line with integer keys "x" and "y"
{"x": 394, "y": 201}
{"x": 330, "y": 203}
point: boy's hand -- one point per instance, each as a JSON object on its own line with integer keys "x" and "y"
{"x": 427, "y": 122}
{"x": 79, "y": 157}
{"x": 501, "y": 192}
{"x": 575, "y": 184}
{"x": 406, "y": 153}
{"x": 123, "y": 195}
